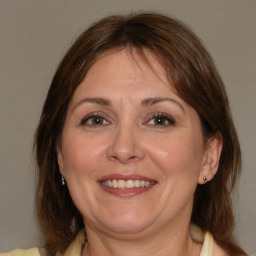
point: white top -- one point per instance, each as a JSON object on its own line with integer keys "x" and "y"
{"x": 207, "y": 245}
{"x": 75, "y": 248}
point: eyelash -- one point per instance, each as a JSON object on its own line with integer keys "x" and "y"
{"x": 90, "y": 116}
{"x": 151, "y": 117}
{"x": 171, "y": 121}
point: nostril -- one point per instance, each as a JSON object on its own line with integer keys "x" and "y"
{"x": 123, "y": 158}
{"x": 114, "y": 158}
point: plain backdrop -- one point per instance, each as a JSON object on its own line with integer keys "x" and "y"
{"x": 34, "y": 37}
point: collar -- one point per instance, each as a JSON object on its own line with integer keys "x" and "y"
{"x": 76, "y": 246}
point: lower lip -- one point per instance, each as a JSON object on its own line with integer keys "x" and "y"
{"x": 126, "y": 192}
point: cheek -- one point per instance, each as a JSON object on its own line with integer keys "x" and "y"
{"x": 179, "y": 155}
{"x": 81, "y": 155}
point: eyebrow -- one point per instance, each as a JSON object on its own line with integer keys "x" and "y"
{"x": 97, "y": 101}
{"x": 145, "y": 103}
{"x": 151, "y": 101}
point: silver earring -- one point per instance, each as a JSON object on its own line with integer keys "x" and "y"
{"x": 63, "y": 183}
{"x": 205, "y": 179}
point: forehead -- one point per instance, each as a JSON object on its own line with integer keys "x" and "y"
{"x": 125, "y": 69}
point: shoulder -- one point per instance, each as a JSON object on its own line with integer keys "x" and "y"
{"x": 18, "y": 252}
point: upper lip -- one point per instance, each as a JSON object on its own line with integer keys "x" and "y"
{"x": 117, "y": 176}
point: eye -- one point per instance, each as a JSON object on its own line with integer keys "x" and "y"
{"x": 94, "y": 120}
{"x": 161, "y": 120}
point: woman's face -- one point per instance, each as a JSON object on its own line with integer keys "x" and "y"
{"x": 132, "y": 151}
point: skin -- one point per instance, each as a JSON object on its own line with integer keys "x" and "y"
{"x": 128, "y": 141}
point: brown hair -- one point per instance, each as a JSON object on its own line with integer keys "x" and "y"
{"x": 190, "y": 67}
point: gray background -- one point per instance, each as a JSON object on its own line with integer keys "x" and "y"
{"x": 34, "y": 37}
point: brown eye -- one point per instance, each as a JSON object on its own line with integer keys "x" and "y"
{"x": 97, "y": 120}
{"x": 161, "y": 120}
{"x": 94, "y": 120}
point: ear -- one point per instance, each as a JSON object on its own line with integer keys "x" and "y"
{"x": 213, "y": 149}
{"x": 60, "y": 159}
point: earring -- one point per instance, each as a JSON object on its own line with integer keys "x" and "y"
{"x": 205, "y": 179}
{"x": 63, "y": 183}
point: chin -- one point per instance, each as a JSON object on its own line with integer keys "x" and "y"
{"x": 127, "y": 228}
{"x": 126, "y": 222}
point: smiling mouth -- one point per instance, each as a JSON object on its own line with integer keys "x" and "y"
{"x": 127, "y": 184}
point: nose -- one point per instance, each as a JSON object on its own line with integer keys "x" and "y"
{"x": 125, "y": 146}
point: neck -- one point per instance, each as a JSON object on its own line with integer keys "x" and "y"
{"x": 175, "y": 243}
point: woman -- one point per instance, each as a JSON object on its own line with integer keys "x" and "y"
{"x": 136, "y": 147}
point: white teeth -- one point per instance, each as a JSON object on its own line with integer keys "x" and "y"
{"x": 127, "y": 184}
{"x": 137, "y": 183}
{"x": 114, "y": 183}
{"x": 109, "y": 182}
{"x": 121, "y": 184}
